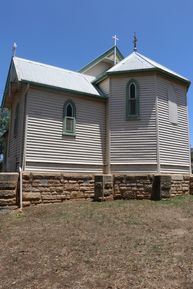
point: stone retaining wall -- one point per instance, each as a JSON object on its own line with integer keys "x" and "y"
{"x": 56, "y": 187}
{"x": 8, "y": 189}
{"x": 180, "y": 185}
{"x": 150, "y": 186}
{"x": 132, "y": 187}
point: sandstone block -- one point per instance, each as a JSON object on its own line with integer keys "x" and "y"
{"x": 72, "y": 182}
{"x": 8, "y": 185}
{"x": 177, "y": 178}
{"x": 7, "y": 194}
{"x": 9, "y": 177}
{"x": 129, "y": 195}
{"x": 49, "y": 197}
{"x": 36, "y": 202}
{"x": 83, "y": 188}
{"x": 53, "y": 182}
{"x": 31, "y": 196}
{"x": 8, "y": 202}
{"x": 46, "y": 176}
{"x": 71, "y": 187}
{"x": 26, "y": 203}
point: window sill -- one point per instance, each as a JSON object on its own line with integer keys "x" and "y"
{"x": 69, "y": 133}
{"x": 137, "y": 117}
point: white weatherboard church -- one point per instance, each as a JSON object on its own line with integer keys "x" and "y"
{"x": 116, "y": 115}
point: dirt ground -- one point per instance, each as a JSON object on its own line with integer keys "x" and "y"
{"x": 107, "y": 245}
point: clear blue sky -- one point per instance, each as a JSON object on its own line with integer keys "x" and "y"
{"x": 70, "y": 33}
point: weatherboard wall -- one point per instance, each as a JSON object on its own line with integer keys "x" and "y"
{"x": 173, "y": 138}
{"x": 133, "y": 143}
{"x": 98, "y": 69}
{"x": 46, "y": 146}
{"x": 15, "y": 141}
{"x": 104, "y": 86}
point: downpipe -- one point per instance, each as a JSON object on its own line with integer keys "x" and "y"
{"x": 20, "y": 189}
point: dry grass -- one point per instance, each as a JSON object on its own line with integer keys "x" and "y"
{"x": 120, "y": 244}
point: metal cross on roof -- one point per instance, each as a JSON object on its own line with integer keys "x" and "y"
{"x": 134, "y": 42}
{"x": 115, "y": 48}
{"x": 115, "y": 39}
{"x": 14, "y": 49}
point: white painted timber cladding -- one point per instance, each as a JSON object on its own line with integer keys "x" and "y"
{"x": 48, "y": 149}
{"x": 98, "y": 69}
{"x": 14, "y": 152}
{"x": 133, "y": 142}
{"x": 173, "y": 138}
{"x": 104, "y": 86}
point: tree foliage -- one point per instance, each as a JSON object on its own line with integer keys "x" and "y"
{"x": 4, "y": 124}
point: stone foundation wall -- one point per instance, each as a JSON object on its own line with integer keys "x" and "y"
{"x": 151, "y": 187}
{"x": 180, "y": 185}
{"x": 191, "y": 185}
{"x": 56, "y": 187}
{"x": 8, "y": 189}
{"x": 132, "y": 187}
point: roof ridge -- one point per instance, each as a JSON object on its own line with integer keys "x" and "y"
{"x": 121, "y": 62}
{"x": 145, "y": 58}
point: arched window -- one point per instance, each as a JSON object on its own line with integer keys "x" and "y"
{"x": 69, "y": 118}
{"x": 132, "y": 100}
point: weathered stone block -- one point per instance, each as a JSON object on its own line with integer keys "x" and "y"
{"x": 26, "y": 203}
{"x": 71, "y": 187}
{"x": 49, "y": 197}
{"x": 46, "y": 176}
{"x": 7, "y": 194}
{"x": 8, "y": 202}
{"x": 9, "y": 177}
{"x": 177, "y": 178}
{"x": 128, "y": 195}
{"x": 53, "y": 182}
{"x": 31, "y": 196}
{"x": 7, "y": 185}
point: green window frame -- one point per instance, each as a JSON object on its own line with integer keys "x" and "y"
{"x": 69, "y": 118}
{"x": 132, "y": 100}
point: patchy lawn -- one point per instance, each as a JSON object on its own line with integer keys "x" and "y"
{"x": 110, "y": 245}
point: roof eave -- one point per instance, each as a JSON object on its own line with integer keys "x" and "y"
{"x": 155, "y": 69}
{"x": 6, "y": 84}
{"x": 102, "y": 97}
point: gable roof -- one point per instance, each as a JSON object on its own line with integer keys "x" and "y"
{"x": 43, "y": 74}
{"x": 101, "y": 57}
{"x": 138, "y": 62}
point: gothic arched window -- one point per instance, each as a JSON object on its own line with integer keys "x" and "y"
{"x": 132, "y": 100}
{"x": 69, "y": 118}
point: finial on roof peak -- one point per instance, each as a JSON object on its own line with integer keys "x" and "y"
{"x": 134, "y": 42}
{"x": 115, "y": 39}
{"x": 14, "y": 49}
{"x": 115, "y": 48}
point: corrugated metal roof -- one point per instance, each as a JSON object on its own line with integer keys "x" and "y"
{"x": 39, "y": 73}
{"x": 137, "y": 61}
